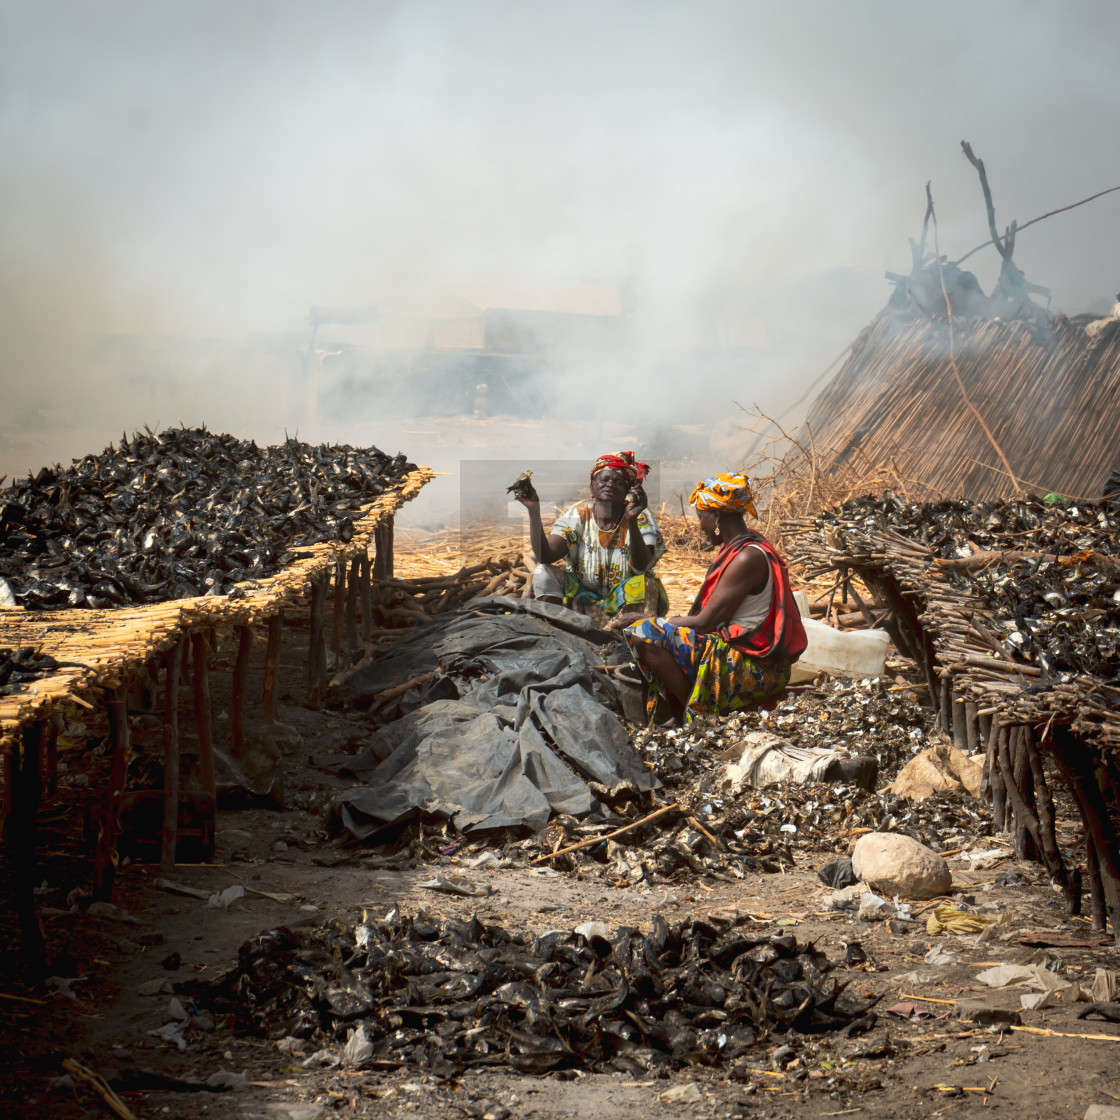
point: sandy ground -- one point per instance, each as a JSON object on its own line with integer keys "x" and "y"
{"x": 294, "y": 872}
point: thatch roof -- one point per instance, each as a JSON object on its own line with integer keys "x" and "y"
{"x": 1048, "y": 390}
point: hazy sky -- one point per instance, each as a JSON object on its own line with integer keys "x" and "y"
{"x": 214, "y": 168}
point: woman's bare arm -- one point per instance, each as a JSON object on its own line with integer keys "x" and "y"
{"x": 743, "y": 576}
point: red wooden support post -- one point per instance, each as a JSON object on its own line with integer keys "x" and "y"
{"x": 352, "y": 604}
{"x": 317, "y": 655}
{"x": 49, "y": 776}
{"x": 383, "y": 546}
{"x": 200, "y": 679}
{"x": 106, "y": 858}
{"x": 20, "y": 840}
{"x": 271, "y": 660}
{"x": 365, "y": 575}
{"x": 170, "y": 836}
{"x": 237, "y": 698}
{"x": 339, "y": 611}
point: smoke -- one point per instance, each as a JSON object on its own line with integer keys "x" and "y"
{"x": 202, "y": 174}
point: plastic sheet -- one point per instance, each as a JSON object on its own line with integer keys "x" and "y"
{"x": 530, "y": 729}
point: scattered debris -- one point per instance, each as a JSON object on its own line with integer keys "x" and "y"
{"x": 939, "y": 769}
{"x": 457, "y": 886}
{"x": 951, "y": 919}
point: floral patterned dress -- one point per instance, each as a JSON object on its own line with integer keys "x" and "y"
{"x": 597, "y": 568}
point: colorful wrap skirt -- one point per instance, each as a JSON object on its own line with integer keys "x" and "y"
{"x": 629, "y": 594}
{"x": 724, "y": 679}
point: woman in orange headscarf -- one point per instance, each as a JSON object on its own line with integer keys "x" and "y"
{"x": 736, "y": 645}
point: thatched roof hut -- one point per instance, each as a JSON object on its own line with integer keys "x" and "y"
{"x": 1047, "y": 388}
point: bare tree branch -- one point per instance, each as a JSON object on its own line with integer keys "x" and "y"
{"x": 966, "y": 147}
{"x": 1042, "y": 217}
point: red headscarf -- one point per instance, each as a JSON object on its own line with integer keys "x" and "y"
{"x": 623, "y": 461}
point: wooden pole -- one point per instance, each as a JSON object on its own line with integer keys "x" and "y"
{"x": 365, "y": 596}
{"x": 1025, "y": 820}
{"x": 1075, "y": 759}
{"x": 945, "y": 710}
{"x": 317, "y": 654}
{"x": 200, "y": 677}
{"x": 271, "y": 659}
{"x": 352, "y": 604}
{"x": 985, "y": 721}
{"x": 592, "y": 840}
{"x": 49, "y": 777}
{"x": 972, "y": 725}
{"x": 1003, "y": 745}
{"x": 106, "y": 857}
{"x": 1027, "y": 839}
{"x": 1047, "y": 836}
{"x": 1096, "y": 889}
{"x": 237, "y": 698}
{"x": 383, "y": 546}
{"x": 170, "y": 837}
{"x": 995, "y": 777}
{"x": 959, "y": 723}
{"x": 20, "y": 841}
{"x": 339, "y": 611}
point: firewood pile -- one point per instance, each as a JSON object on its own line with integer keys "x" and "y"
{"x": 1011, "y": 610}
{"x": 411, "y": 601}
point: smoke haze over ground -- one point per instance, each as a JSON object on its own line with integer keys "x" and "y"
{"x": 207, "y": 172}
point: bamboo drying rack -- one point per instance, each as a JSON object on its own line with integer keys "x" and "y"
{"x": 101, "y": 647}
{"x": 102, "y": 652}
{"x": 987, "y": 700}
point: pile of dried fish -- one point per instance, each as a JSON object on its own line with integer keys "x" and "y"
{"x": 21, "y": 666}
{"x": 180, "y": 514}
{"x": 864, "y": 717}
{"x": 447, "y": 995}
{"x": 761, "y": 831}
{"x": 719, "y": 837}
{"x": 1048, "y": 572}
{"x": 1030, "y": 628}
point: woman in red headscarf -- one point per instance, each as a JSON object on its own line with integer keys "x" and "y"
{"x": 736, "y": 645}
{"x": 609, "y": 544}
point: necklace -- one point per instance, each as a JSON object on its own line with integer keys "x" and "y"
{"x": 608, "y": 524}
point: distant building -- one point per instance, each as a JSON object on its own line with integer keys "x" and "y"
{"x": 480, "y": 352}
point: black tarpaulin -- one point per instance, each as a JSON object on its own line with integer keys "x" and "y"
{"x": 531, "y": 726}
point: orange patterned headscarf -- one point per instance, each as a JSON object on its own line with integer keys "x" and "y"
{"x": 730, "y": 493}
{"x": 623, "y": 461}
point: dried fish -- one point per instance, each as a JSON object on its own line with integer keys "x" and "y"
{"x": 183, "y": 513}
{"x": 447, "y": 995}
{"x": 19, "y": 667}
{"x": 522, "y": 486}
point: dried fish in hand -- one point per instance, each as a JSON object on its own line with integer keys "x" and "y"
{"x": 522, "y": 486}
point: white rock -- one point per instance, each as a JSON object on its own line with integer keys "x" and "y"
{"x": 898, "y": 865}
{"x": 1102, "y": 1112}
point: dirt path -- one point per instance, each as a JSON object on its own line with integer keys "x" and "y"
{"x": 294, "y": 873}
